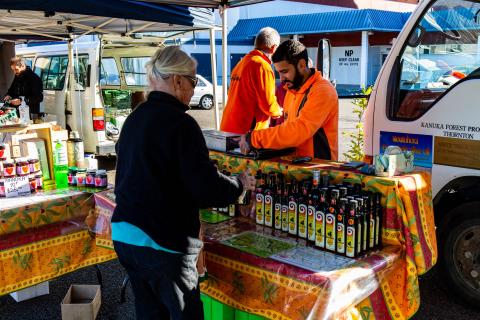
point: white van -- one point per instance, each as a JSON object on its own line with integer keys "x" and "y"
{"x": 427, "y": 96}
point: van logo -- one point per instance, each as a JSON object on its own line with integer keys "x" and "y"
{"x": 348, "y": 53}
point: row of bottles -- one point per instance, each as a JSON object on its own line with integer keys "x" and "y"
{"x": 337, "y": 218}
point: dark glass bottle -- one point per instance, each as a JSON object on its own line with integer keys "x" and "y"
{"x": 320, "y": 212}
{"x": 352, "y": 230}
{"x": 331, "y": 221}
{"x": 302, "y": 210}
{"x": 277, "y": 202}
{"x": 341, "y": 226}
{"x": 268, "y": 194}
{"x": 259, "y": 199}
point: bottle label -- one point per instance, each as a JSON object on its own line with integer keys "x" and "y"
{"x": 330, "y": 231}
{"x": 351, "y": 239}
{"x": 268, "y": 210}
{"x": 260, "y": 208}
{"x": 340, "y": 237}
{"x": 302, "y": 220}
{"x": 292, "y": 217}
{"x": 278, "y": 216}
{"x": 371, "y": 239}
{"x": 320, "y": 229}
{"x": 284, "y": 218}
{"x": 311, "y": 223}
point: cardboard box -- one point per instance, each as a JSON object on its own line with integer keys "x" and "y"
{"x": 31, "y": 292}
{"x": 81, "y": 302}
{"x": 35, "y": 148}
{"x": 16, "y": 138}
{"x": 59, "y": 135}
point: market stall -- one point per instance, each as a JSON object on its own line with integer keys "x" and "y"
{"x": 263, "y": 271}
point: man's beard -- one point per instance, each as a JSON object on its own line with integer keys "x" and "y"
{"x": 297, "y": 80}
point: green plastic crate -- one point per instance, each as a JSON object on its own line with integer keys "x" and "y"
{"x": 215, "y": 310}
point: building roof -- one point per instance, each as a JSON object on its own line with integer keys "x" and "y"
{"x": 325, "y": 22}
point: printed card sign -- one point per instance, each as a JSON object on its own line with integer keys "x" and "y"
{"x": 17, "y": 186}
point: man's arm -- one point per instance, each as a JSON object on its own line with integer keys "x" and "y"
{"x": 200, "y": 177}
{"x": 321, "y": 105}
{"x": 265, "y": 84}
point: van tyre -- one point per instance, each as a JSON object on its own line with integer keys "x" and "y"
{"x": 460, "y": 253}
{"x": 206, "y": 102}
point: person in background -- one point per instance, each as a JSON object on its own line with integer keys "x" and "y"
{"x": 311, "y": 109}
{"x": 25, "y": 84}
{"x": 251, "y": 97}
{"x": 163, "y": 176}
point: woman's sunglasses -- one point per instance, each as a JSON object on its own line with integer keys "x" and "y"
{"x": 193, "y": 80}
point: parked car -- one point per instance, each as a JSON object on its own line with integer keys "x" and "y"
{"x": 203, "y": 95}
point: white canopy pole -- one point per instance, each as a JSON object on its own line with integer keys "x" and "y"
{"x": 224, "y": 55}
{"x": 71, "y": 89}
{"x": 213, "y": 56}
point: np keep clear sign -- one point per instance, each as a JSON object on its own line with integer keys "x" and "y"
{"x": 17, "y": 186}
{"x": 346, "y": 65}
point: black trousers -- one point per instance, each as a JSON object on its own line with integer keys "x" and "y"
{"x": 165, "y": 284}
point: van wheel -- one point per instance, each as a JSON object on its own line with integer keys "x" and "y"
{"x": 460, "y": 253}
{"x": 206, "y": 102}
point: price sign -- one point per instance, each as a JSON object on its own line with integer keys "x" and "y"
{"x": 17, "y": 186}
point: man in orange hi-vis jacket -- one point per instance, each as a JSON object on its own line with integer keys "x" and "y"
{"x": 251, "y": 97}
{"x": 311, "y": 109}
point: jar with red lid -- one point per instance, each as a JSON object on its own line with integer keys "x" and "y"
{"x": 23, "y": 167}
{"x": 2, "y": 188}
{"x": 33, "y": 183}
{"x": 39, "y": 178}
{"x": 34, "y": 165}
{"x": 8, "y": 169}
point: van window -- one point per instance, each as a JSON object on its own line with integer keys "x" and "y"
{"x": 53, "y": 70}
{"x": 29, "y": 62}
{"x": 442, "y": 50}
{"x": 109, "y": 75}
{"x": 134, "y": 71}
{"x": 81, "y": 71}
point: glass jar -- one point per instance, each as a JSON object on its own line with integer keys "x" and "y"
{"x": 34, "y": 165}
{"x": 8, "y": 169}
{"x": 2, "y": 188}
{"x": 90, "y": 179}
{"x": 72, "y": 176}
{"x": 39, "y": 178}
{"x": 33, "y": 183}
{"x": 22, "y": 166}
{"x": 101, "y": 179}
{"x": 2, "y": 152}
{"x": 81, "y": 177}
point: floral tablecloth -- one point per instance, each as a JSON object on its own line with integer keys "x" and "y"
{"x": 43, "y": 236}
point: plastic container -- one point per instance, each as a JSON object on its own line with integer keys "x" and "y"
{"x": 34, "y": 165}
{"x": 2, "y": 188}
{"x": 90, "y": 179}
{"x": 60, "y": 167}
{"x": 75, "y": 149}
{"x": 39, "y": 178}
{"x": 2, "y": 152}
{"x": 33, "y": 183}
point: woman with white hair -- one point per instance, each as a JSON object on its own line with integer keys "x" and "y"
{"x": 164, "y": 175}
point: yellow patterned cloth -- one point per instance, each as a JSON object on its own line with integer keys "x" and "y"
{"x": 43, "y": 236}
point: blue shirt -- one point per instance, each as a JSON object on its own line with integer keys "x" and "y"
{"x": 128, "y": 233}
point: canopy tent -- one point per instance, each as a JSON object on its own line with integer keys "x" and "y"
{"x": 59, "y": 19}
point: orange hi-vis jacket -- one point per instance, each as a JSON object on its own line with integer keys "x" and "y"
{"x": 314, "y": 131}
{"x": 251, "y": 97}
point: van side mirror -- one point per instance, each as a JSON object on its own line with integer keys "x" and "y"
{"x": 416, "y": 36}
{"x": 324, "y": 58}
